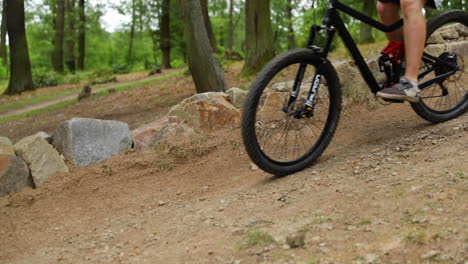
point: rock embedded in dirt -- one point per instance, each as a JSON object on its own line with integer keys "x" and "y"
{"x": 45, "y": 136}
{"x": 270, "y": 111}
{"x": 430, "y": 255}
{"x": 14, "y": 174}
{"x": 6, "y": 147}
{"x": 296, "y": 240}
{"x": 42, "y": 159}
{"x": 175, "y": 134}
{"x": 282, "y": 87}
{"x": 236, "y": 96}
{"x": 145, "y": 136}
{"x": 207, "y": 112}
{"x": 85, "y": 141}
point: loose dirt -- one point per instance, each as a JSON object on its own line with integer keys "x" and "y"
{"x": 390, "y": 189}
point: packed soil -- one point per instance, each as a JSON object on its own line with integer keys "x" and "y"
{"x": 391, "y": 188}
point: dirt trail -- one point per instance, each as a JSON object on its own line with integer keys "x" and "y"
{"x": 41, "y": 105}
{"x": 390, "y": 189}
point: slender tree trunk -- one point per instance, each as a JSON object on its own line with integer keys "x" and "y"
{"x": 209, "y": 27}
{"x": 70, "y": 43}
{"x": 366, "y": 30}
{"x": 156, "y": 46}
{"x": 205, "y": 71}
{"x": 20, "y": 64}
{"x": 3, "y": 48}
{"x": 132, "y": 35}
{"x": 81, "y": 35}
{"x": 259, "y": 36}
{"x": 291, "y": 37}
{"x": 57, "y": 54}
{"x": 231, "y": 25}
{"x": 165, "y": 41}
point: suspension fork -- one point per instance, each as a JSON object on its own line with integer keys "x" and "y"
{"x": 310, "y": 103}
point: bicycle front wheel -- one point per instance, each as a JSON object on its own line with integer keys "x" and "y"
{"x": 276, "y": 138}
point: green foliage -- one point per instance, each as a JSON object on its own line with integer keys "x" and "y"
{"x": 121, "y": 68}
{"x": 256, "y": 238}
{"x": 3, "y": 72}
{"x": 43, "y": 77}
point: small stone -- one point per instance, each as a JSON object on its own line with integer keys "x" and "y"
{"x": 6, "y": 147}
{"x": 316, "y": 238}
{"x": 431, "y": 254}
{"x": 323, "y": 244}
{"x": 286, "y": 246}
{"x": 254, "y": 167}
{"x": 296, "y": 240}
{"x": 371, "y": 258}
{"x": 161, "y": 203}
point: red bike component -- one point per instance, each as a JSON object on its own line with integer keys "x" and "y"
{"x": 395, "y": 50}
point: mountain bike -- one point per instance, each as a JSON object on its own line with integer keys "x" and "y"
{"x": 293, "y": 107}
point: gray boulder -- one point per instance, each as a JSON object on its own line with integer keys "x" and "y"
{"x": 14, "y": 174}
{"x": 43, "y": 160}
{"x": 236, "y": 96}
{"x": 85, "y": 141}
{"x": 6, "y": 147}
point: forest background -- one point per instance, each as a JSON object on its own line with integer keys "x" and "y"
{"x": 69, "y": 41}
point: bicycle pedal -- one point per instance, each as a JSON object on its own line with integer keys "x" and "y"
{"x": 394, "y": 101}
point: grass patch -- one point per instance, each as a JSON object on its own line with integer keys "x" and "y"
{"x": 36, "y": 100}
{"x": 141, "y": 83}
{"x": 3, "y": 86}
{"x": 38, "y": 111}
{"x": 365, "y": 221}
{"x": 417, "y": 237}
{"x": 70, "y": 102}
{"x": 256, "y": 238}
{"x": 312, "y": 260}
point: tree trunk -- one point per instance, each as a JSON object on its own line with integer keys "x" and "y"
{"x": 366, "y": 30}
{"x": 231, "y": 25}
{"x": 206, "y": 72}
{"x": 70, "y": 43}
{"x": 165, "y": 41}
{"x": 291, "y": 37}
{"x": 132, "y": 35}
{"x": 3, "y": 48}
{"x": 20, "y": 64}
{"x": 57, "y": 54}
{"x": 209, "y": 27}
{"x": 81, "y": 36}
{"x": 259, "y": 36}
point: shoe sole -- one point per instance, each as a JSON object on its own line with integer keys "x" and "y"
{"x": 398, "y": 97}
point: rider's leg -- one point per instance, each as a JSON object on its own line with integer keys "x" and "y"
{"x": 389, "y": 13}
{"x": 415, "y": 36}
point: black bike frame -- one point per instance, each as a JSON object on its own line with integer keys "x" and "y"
{"x": 332, "y": 22}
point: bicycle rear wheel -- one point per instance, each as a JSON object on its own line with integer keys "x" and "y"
{"x": 275, "y": 137}
{"x": 448, "y": 41}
